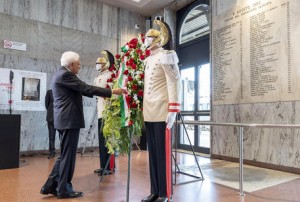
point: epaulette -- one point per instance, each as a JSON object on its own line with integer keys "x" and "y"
{"x": 169, "y": 57}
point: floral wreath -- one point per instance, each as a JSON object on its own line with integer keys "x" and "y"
{"x": 123, "y": 115}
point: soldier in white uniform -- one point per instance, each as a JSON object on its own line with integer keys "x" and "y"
{"x": 161, "y": 104}
{"x": 102, "y": 65}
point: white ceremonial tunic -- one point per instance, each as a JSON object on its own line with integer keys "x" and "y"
{"x": 161, "y": 84}
{"x": 101, "y": 81}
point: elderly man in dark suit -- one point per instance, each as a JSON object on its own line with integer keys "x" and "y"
{"x": 67, "y": 91}
{"x": 50, "y": 121}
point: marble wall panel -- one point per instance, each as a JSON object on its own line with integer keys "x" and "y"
{"x": 26, "y": 9}
{"x": 22, "y": 63}
{"x": 71, "y": 40}
{"x": 109, "y": 44}
{"x": 49, "y": 67}
{"x": 25, "y": 31}
{"x": 270, "y": 145}
{"x": 5, "y": 6}
{"x": 92, "y": 45}
{"x": 222, "y": 6}
{"x": 90, "y": 15}
{"x": 127, "y": 23}
{"x": 52, "y": 11}
{"x": 5, "y": 31}
{"x": 49, "y": 41}
{"x": 109, "y": 21}
{"x": 69, "y": 14}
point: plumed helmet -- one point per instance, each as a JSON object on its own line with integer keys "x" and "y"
{"x": 162, "y": 36}
{"x": 106, "y": 58}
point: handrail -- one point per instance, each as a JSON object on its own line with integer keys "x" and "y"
{"x": 241, "y": 134}
{"x": 258, "y": 125}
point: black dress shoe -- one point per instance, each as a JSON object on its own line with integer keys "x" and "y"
{"x": 150, "y": 198}
{"x": 47, "y": 191}
{"x": 107, "y": 172}
{"x": 73, "y": 194}
{"x": 161, "y": 199}
{"x": 100, "y": 170}
{"x": 51, "y": 156}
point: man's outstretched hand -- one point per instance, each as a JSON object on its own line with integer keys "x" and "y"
{"x": 118, "y": 91}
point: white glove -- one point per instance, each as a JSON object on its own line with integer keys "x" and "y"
{"x": 171, "y": 119}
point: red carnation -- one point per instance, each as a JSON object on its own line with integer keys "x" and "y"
{"x": 125, "y": 72}
{"x": 133, "y": 41}
{"x": 128, "y": 99}
{"x": 142, "y": 57}
{"x": 138, "y": 51}
{"x": 113, "y": 76}
{"x": 111, "y": 69}
{"x": 133, "y": 66}
{"x": 130, "y": 78}
{"x": 118, "y": 56}
{"x": 148, "y": 52}
{"x": 132, "y": 45}
{"x": 107, "y": 86}
{"x": 134, "y": 87}
{"x": 127, "y": 53}
{"x": 140, "y": 93}
{"x": 133, "y": 105}
{"x": 130, "y": 123}
{"x": 142, "y": 76}
{"x": 131, "y": 60}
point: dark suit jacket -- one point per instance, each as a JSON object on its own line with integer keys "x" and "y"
{"x": 49, "y": 105}
{"x": 67, "y": 91}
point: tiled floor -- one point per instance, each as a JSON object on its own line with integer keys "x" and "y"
{"x": 23, "y": 184}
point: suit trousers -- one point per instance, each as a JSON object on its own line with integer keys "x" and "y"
{"x": 155, "y": 132}
{"x": 51, "y": 131}
{"x": 63, "y": 169}
{"x": 103, "y": 151}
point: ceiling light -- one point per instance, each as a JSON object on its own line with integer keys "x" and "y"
{"x": 136, "y": 0}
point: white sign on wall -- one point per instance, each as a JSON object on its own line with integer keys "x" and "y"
{"x": 24, "y": 90}
{"x": 14, "y": 45}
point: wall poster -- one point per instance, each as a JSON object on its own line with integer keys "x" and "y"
{"x": 24, "y": 90}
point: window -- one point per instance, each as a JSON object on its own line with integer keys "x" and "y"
{"x": 195, "y": 24}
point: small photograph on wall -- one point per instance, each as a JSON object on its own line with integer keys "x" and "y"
{"x": 31, "y": 89}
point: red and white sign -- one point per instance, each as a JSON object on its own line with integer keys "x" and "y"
{"x": 14, "y": 45}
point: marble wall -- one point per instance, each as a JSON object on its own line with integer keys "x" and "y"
{"x": 268, "y": 145}
{"x": 50, "y": 27}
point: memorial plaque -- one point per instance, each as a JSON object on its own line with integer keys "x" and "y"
{"x": 255, "y": 53}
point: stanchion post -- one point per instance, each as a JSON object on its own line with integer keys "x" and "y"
{"x": 241, "y": 137}
{"x": 128, "y": 172}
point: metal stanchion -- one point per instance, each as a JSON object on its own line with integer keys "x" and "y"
{"x": 129, "y": 165}
{"x": 241, "y": 160}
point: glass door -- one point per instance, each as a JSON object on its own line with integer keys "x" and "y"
{"x": 195, "y": 105}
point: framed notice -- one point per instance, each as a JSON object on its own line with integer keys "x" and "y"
{"x": 22, "y": 90}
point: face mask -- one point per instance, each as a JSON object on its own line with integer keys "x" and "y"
{"x": 148, "y": 41}
{"x": 99, "y": 66}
